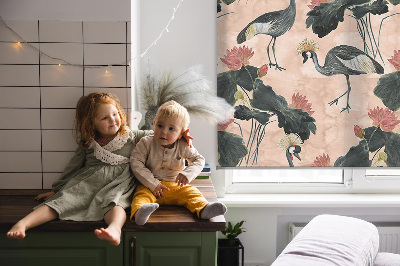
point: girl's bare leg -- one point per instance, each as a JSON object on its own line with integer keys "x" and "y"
{"x": 39, "y": 216}
{"x": 115, "y": 218}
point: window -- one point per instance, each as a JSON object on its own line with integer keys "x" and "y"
{"x": 312, "y": 180}
{"x": 377, "y": 180}
{"x": 376, "y": 172}
{"x": 288, "y": 176}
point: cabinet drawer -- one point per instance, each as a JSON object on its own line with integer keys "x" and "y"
{"x": 170, "y": 248}
{"x": 61, "y": 249}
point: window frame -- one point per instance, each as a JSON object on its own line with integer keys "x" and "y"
{"x": 375, "y": 183}
{"x": 354, "y": 181}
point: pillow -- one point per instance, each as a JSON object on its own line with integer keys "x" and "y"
{"x": 333, "y": 240}
{"x": 387, "y": 259}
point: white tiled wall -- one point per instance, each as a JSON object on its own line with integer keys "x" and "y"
{"x": 38, "y": 97}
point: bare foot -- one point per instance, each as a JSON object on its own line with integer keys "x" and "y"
{"x": 17, "y": 231}
{"x": 110, "y": 234}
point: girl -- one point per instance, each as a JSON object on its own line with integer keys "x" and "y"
{"x": 97, "y": 183}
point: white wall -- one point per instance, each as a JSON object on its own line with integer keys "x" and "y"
{"x": 190, "y": 40}
{"x": 71, "y": 10}
{"x": 40, "y": 140}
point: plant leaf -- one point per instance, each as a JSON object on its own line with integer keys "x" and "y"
{"x": 246, "y": 77}
{"x": 378, "y": 140}
{"x": 242, "y": 112}
{"x": 231, "y": 149}
{"x": 228, "y": 2}
{"x": 290, "y": 119}
{"x": 233, "y": 232}
{"x": 378, "y": 7}
{"x": 226, "y": 86}
{"x": 392, "y": 150}
{"x": 394, "y": 2}
{"x": 325, "y": 17}
{"x": 388, "y": 90}
{"x": 357, "y": 156}
{"x": 261, "y": 117}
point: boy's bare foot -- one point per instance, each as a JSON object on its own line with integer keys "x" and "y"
{"x": 17, "y": 231}
{"x": 110, "y": 234}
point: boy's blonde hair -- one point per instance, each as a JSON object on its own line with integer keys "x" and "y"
{"x": 174, "y": 110}
{"x": 86, "y": 109}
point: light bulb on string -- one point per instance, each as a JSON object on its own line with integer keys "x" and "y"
{"x": 107, "y": 71}
{"x": 175, "y": 9}
{"x": 18, "y": 45}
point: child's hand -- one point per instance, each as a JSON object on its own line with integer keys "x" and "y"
{"x": 181, "y": 180}
{"x": 158, "y": 191}
{"x": 188, "y": 138}
{"x": 45, "y": 196}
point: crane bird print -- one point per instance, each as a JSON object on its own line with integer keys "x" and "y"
{"x": 274, "y": 24}
{"x": 290, "y": 143}
{"x": 340, "y": 60}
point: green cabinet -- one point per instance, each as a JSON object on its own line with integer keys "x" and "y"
{"x": 172, "y": 236}
{"x": 59, "y": 248}
{"x": 170, "y": 248}
{"x": 136, "y": 249}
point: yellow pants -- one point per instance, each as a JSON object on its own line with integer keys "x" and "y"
{"x": 187, "y": 196}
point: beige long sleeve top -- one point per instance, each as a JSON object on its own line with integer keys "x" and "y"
{"x": 152, "y": 163}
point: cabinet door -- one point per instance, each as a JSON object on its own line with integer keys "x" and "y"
{"x": 61, "y": 249}
{"x": 170, "y": 248}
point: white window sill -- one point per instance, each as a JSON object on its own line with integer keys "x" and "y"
{"x": 311, "y": 200}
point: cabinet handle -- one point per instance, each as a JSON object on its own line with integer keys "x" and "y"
{"x": 132, "y": 251}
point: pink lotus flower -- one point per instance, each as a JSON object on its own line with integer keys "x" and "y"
{"x": 359, "y": 131}
{"x": 300, "y": 102}
{"x": 317, "y": 2}
{"x": 322, "y": 161}
{"x": 233, "y": 63}
{"x": 222, "y": 127}
{"x": 235, "y": 58}
{"x": 389, "y": 124}
{"x": 262, "y": 71}
{"x": 386, "y": 119}
{"x": 395, "y": 60}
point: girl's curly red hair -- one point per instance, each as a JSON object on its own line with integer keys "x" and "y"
{"x": 86, "y": 108}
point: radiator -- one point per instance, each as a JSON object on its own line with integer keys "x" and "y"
{"x": 389, "y": 235}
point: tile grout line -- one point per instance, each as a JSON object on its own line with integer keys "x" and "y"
{"x": 40, "y": 110}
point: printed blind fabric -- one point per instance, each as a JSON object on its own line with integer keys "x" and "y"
{"x": 314, "y": 83}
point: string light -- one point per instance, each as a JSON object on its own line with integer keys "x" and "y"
{"x": 164, "y": 30}
{"x": 84, "y": 66}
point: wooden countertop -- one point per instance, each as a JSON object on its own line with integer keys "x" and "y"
{"x": 15, "y": 204}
